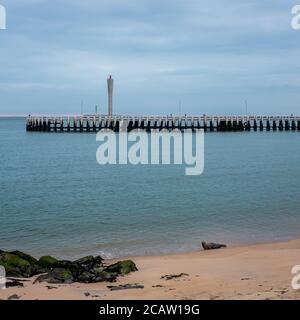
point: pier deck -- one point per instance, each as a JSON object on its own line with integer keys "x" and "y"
{"x": 95, "y": 123}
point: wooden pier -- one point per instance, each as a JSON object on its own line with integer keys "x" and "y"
{"x": 95, "y": 123}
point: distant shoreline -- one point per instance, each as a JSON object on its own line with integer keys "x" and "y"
{"x": 13, "y": 117}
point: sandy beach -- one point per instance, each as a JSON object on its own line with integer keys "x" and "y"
{"x": 250, "y": 272}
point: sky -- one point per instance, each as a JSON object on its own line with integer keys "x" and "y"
{"x": 207, "y": 56}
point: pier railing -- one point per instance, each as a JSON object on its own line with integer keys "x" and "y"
{"x": 95, "y": 123}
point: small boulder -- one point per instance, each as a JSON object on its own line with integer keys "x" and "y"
{"x": 174, "y": 276}
{"x": 105, "y": 276}
{"x": 24, "y": 256}
{"x": 16, "y": 266}
{"x": 122, "y": 267}
{"x": 14, "y": 297}
{"x": 57, "y": 276}
{"x": 14, "y": 283}
{"x": 212, "y": 246}
{"x": 85, "y": 277}
{"x": 48, "y": 262}
{"x": 89, "y": 261}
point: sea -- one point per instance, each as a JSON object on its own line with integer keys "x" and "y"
{"x": 55, "y": 199}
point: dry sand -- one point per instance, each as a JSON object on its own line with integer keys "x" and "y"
{"x": 250, "y": 272}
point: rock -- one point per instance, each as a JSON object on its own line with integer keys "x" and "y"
{"x": 24, "y": 256}
{"x": 125, "y": 287}
{"x": 212, "y": 246}
{"x": 13, "y": 297}
{"x": 173, "y": 276}
{"x": 85, "y": 270}
{"x": 14, "y": 283}
{"x": 72, "y": 266}
{"x": 16, "y": 266}
{"x": 48, "y": 262}
{"x": 56, "y": 276}
{"x": 89, "y": 262}
{"x": 122, "y": 267}
{"x": 105, "y": 277}
{"x": 85, "y": 277}
{"x": 158, "y": 286}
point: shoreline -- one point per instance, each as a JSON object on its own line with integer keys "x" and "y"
{"x": 230, "y": 245}
{"x": 260, "y": 271}
{"x": 108, "y": 256}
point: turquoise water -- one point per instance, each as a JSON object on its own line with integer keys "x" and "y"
{"x": 56, "y": 199}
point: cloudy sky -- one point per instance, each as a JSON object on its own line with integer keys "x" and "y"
{"x": 212, "y": 55}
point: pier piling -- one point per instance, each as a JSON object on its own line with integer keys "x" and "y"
{"x": 96, "y": 123}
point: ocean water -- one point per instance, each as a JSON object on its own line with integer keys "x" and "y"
{"x": 55, "y": 198}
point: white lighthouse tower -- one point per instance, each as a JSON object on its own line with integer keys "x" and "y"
{"x": 2, "y": 18}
